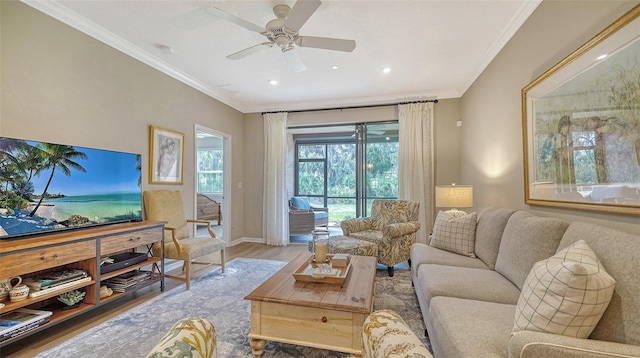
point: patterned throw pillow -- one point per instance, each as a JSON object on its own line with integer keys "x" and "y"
{"x": 565, "y": 294}
{"x": 455, "y": 231}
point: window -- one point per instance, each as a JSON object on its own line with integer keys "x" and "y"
{"x": 346, "y": 167}
{"x": 210, "y": 170}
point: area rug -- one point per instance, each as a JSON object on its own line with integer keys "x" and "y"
{"x": 219, "y": 297}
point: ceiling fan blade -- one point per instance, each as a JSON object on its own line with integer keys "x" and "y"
{"x": 234, "y": 19}
{"x": 326, "y": 43}
{"x": 300, "y": 13}
{"x": 294, "y": 60}
{"x": 250, "y": 50}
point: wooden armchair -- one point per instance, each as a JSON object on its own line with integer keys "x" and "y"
{"x": 167, "y": 206}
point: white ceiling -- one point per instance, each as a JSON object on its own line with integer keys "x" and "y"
{"x": 435, "y": 48}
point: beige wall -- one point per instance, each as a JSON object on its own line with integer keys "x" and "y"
{"x": 491, "y": 110}
{"x": 447, "y": 137}
{"x": 62, "y": 86}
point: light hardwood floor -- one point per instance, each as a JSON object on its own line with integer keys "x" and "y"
{"x": 55, "y": 335}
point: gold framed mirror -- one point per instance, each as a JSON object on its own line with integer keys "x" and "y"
{"x": 581, "y": 125}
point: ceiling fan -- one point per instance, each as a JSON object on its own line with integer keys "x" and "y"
{"x": 283, "y": 32}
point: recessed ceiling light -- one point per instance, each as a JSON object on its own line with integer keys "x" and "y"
{"x": 386, "y": 70}
{"x": 334, "y": 67}
{"x": 601, "y": 57}
{"x": 274, "y": 82}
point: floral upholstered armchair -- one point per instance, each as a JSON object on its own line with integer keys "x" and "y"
{"x": 392, "y": 226}
{"x": 189, "y": 337}
{"x": 386, "y": 335}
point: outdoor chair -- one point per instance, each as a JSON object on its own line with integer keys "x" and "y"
{"x": 392, "y": 226}
{"x": 167, "y": 206}
{"x": 320, "y": 215}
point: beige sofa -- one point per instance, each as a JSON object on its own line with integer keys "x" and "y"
{"x": 469, "y": 303}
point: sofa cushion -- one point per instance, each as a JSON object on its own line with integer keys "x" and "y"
{"x": 526, "y": 240}
{"x": 300, "y": 203}
{"x": 619, "y": 253}
{"x": 456, "y": 333}
{"x": 455, "y": 232}
{"x": 467, "y": 283}
{"x": 424, "y": 254}
{"x": 565, "y": 294}
{"x": 491, "y": 224}
{"x": 320, "y": 215}
{"x": 373, "y": 236}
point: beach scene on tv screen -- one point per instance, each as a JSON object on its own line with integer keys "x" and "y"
{"x": 46, "y": 187}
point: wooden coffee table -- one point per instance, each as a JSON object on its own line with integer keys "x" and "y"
{"x": 321, "y": 315}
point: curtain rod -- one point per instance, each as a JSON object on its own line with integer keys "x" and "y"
{"x": 354, "y": 107}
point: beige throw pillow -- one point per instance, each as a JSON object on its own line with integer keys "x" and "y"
{"x": 565, "y": 294}
{"x": 455, "y": 231}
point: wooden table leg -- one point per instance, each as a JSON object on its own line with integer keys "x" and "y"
{"x": 257, "y": 346}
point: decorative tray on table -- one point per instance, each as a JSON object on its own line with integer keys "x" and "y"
{"x": 309, "y": 272}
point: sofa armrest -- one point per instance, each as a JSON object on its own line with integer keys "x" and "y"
{"x": 190, "y": 337}
{"x": 385, "y": 335}
{"x": 400, "y": 229}
{"x": 528, "y": 344}
{"x": 355, "y": 225}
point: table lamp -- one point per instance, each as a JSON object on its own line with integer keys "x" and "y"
{"x": 454, "y": 196}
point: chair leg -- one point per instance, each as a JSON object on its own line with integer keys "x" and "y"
{"x": 222, "y": 261}
{"x": 390, "y": 270}
{"x": 409, "y": 262}
{"x": 187, "y": 268}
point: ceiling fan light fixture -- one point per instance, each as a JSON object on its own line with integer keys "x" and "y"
{"x": 334, "y": 67}
{"x": 283, "y": 32}
{"x": 386, "y": 70}
{"x": 274, "y": 82}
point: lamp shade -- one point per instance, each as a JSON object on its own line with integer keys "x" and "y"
{"x": 454, "y": 196}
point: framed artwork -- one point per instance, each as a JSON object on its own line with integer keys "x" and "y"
{"x": 166, "y": 150}
{"x": 581, "y": 125}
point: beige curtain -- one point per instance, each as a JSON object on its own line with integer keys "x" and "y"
{"x": 415, "y": 179}
{"x": 276, "y": 209}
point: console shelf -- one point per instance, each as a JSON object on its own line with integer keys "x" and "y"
{"x": 80, "y": 249}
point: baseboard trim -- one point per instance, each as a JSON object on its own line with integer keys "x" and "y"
{"x": 255, "y": 240}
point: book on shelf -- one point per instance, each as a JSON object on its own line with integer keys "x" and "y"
{"x": 59, "y": 288}
{"x": 53, "y": 279}
{"x": 18, "y": 331}
{"x": 14, "y": 322}
{"x": 130, "y": 287}
{"x": 128, "y": 280}
{"x": 130, "y": 277}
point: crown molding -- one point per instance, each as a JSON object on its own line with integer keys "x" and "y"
{"x": 516, "y": 22}
{"x": 70, "y": 18}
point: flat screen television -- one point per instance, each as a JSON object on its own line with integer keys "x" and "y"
{"x": 48, "y": 187}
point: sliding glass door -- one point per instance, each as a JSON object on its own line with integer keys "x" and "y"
{"x": 380, "y": 164}
{"x": 346, "y": 167}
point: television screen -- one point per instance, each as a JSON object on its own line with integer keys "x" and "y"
{"x": 47, "y": 187}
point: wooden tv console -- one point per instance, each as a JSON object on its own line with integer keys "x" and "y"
{"x": 80, "y": 249}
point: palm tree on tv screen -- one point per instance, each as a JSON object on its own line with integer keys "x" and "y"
{"x": 57, "y": 156}
{"x": 31, "y": 162}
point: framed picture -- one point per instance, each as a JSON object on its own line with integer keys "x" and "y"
{"x": 166, "y": 150}
{"x": 581, "y": 125}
